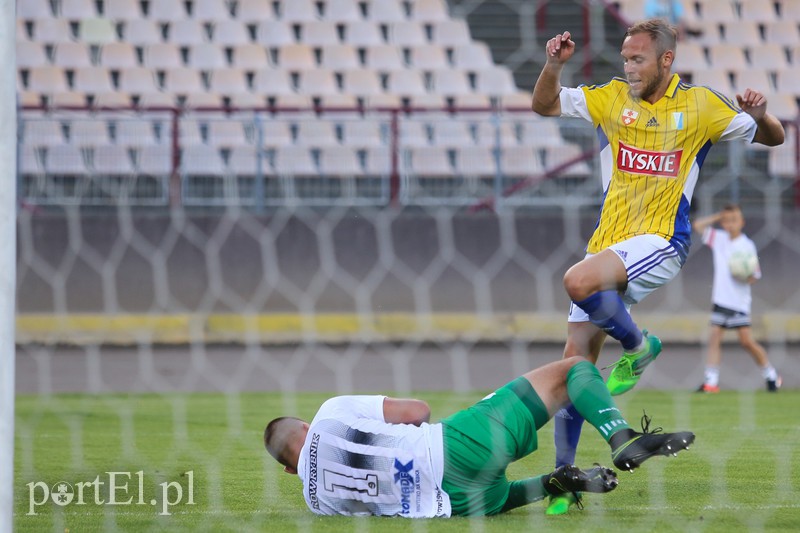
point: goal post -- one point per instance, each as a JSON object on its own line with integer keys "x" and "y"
{"x": 8, "y": 217}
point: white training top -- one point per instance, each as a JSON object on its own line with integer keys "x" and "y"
{"x": 355, "y": 463}
{"x": 728, "y": 291}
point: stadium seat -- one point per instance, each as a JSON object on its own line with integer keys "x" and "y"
{"x": 201, "y": 161}
{"x": 162, "y": 56}
{"x": 118, "y": 56}
{"x": 338, "y": 100}
{"x": 429, "y": 10}
{"x": 166, "y": 11}
{"x": 250, "y": 57}
{"x": 363, "y": 33}
{"x": 31, "y": 54}
{"x": 253, "y": 11}
{"x": 113, "y": 99}
{"x": 276, "y": 132}
{"x": 296, "y": 57}
{"x": 246, "y": 100}
{"x": 134, "y": 132}
{"x": 476, "y": 100}
{"x": 47, "y": 80}
{"x": 406, "y": 83}
{"x": 122, "y": 10}
{"x": 540, "y": 132}
{"x": 97, "y": 31}
{"x": 377, "y": 161}
{"x": 342, "y": 10}
{"x": 340, "y": 57}
{"x": 319, "y": 33}
{"x": 272, "y": 82}
{"x": 190, "y": 131}
{"x": 229, "y": 32}
{"x": 228, "y": 81}
{"x": 413, "y": 133}
{"x": 71, "y": 55}
{"x": 22, "y": 32}
{"x": 788, "y": 81}
{"x": 452, "y": 133}
{"x": 30, "y": 163}
{"x": 407, "y": 33}
{"x": 689, "y": 57}
{"x": 758, "y": 79}
{"x": 274, "y": 33}
{"x": 92, "y": 80}
{"x": 227, "y": 133}
{"x": 790, "y": 10}
{"x": 29, "y": 99}
{"x": 34, "y": 9}
{"x": 782, "y": 160}
{"x": 207, "y": 56}
{"x": 717, "y": 79}
{"x": 757, "y": 11}
{"x": 430, "y": 161}
{"x": 474, "y": 55}
{"x": 450, "y": 82}
{"x": 52, "y": 30}
{"x": 243, "y": 161}
{"x": 294, "y": 161}
{"x": 297, "y": 10}
{"x": 154, "y": 160}
{"x": 727, "y": 57}
{"x": 486, "y": 132}
{"x": 75, "y": 9}
{"x": 495, "y": 81}
{"x": 454, "y": 32}
{"x": 428, "y": 57}
{"x": 741, "y": 33}
{"x": 210, "y": 10}
{"x": 186, "y": 32}
{"x": 385, "y": 11}
{"x": 111, "y": 160}
{"x": 42, "y": 132}
{"x": 183, "y": 80}
{"x": 782, "y": 105}
{"x": 555, "y": 156}
{"x": 65, "y": 160}
{"x": 361, "y": 82}
{"x": 713, "y": 11}
{"x": 365, "y": 132}
{"x": 769, "y": 56}
{"x": 339, "y": 161}
{"x": 317, "y": 82}
{"x": 384, "y": 57}
{"x": 141, "y": 32}
{"x": 427, "y": 100}
{"x": 783, "y": 32}
{"x": 517, "y": 100}
{"x": 520, "y": 161}
{"x": 315, "y": 132}
{"x": 476, "y": 161}
{"x": 68, "y": 98}
{"x": 137, "y": 80}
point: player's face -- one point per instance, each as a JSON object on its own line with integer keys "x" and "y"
{"x": 644, "y": 68}
{"x": 732, "y": 222}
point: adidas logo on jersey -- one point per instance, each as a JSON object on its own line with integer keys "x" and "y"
{"x": 652, "y": 123}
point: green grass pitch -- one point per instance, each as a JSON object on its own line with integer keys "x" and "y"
{"x": 743, "y": 472}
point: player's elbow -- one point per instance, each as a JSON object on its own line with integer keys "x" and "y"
{"x": 418, "y": 412}
{"x": 540, "y": 108}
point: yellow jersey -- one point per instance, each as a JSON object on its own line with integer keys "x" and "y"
{"x": 651, "y": 154}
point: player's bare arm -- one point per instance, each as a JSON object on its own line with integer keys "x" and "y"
{"x": 770, "y": 131}
{"x": 545, "y": 94}
{"x": 406, "y": 411}
{"x": 702, "y": 223}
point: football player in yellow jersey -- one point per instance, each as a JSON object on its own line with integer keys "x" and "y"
{"x": 654, "y": 131}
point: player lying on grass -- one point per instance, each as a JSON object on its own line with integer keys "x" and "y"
{"x": 374, "y": 455}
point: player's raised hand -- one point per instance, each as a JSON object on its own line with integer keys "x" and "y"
{"x": 753, "y": 103}
{"x": 560, "y": 48}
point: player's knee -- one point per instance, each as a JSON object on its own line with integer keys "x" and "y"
{"x": 575, "y": 283}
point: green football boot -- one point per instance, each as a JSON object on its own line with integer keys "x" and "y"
{"x": 629, "y": 368}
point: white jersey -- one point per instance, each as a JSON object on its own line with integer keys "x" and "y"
{"x": 728, "y": 291}
{"x": 355, "y": 463}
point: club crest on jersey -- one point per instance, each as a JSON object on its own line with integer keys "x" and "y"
{"x": 636, "y": 161}
{"x": 629, "y": 116}
{"x": 677, "y": 121}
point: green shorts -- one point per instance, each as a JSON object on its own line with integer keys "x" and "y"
{"x": 482, "y": 440}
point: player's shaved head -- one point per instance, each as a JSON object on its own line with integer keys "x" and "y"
{"x": 663, "y": 34}
{"x": 279, "y": 436}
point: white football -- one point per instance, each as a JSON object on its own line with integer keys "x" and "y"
{"x": 743, "y": 265}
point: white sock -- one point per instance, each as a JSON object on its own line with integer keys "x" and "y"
{"x": 712, "y": 376}
{"x": 768, "y": 373}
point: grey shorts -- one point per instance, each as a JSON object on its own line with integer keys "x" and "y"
{"x": 728, "y": 318}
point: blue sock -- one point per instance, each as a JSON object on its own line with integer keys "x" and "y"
{"x": 568, "y": 423}
{"x": 607, "y": 311}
